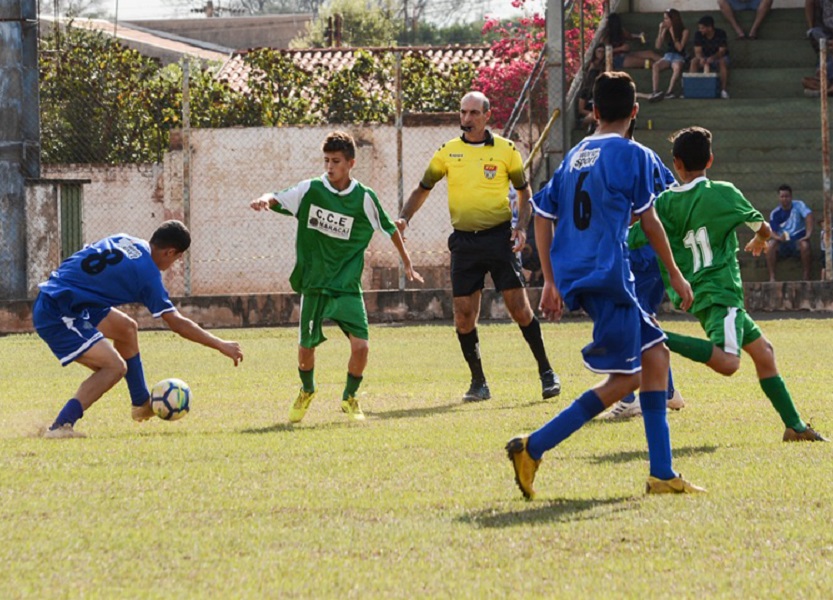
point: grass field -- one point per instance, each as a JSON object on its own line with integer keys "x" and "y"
{"x": 419, "y": 501}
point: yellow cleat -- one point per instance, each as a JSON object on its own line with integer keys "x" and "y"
{"x": 525, "y": 466}
{"x": 808, "y": 435}
{"x": 143, "y": 412}
{"x": 299, "y": 408}
{"x": 352, "y": 408}
{"x": 677, "y": 485}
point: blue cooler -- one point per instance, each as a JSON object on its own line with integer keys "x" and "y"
{"x": 701, "y": 85}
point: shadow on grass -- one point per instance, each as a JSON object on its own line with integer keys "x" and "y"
{"x": 410, "y": 413}
{"x": 642, "y": 455}
{"x": 548, "y": 511}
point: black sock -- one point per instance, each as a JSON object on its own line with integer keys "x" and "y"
{"x": 470, "y": 344}
{"x": 533, "y": 337}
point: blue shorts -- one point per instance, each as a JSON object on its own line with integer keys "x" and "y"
{"x": 621, "y": 333}
{"x": 618, "y": 62}
{"x": 788, "y": 249}
{"x": 67, "y": 335}
{"x": 673, "y": 57}
{"x": 650, "y": 290}
{"x": 744, "y": 4}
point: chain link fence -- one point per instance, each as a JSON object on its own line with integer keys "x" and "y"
{"x": 177, "y": 157}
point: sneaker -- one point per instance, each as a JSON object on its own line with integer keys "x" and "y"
{"x": 808, "y": 435}
{"x": 724, "y": 94}
{"x": 656, "y": 97}
{"x": 525, "y": 466}
{"x": 478, "y": 391}
{"x": 676, "y": 401}
{"x": 143, "y": 412}
{"x": 65, "y": 431}
{"x": 550, "y": 384}
{"x": 678, "y": 485}
{"x": 670, "y": 96}
{"x": 299, "y": 408}
{"x": 622, "y": 411}
{"x": 352, "y": 408}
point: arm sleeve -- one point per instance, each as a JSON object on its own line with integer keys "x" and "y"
{"x": 289, "y": 200}
{"x": 379, "y": 219}
{"x": 436, "y": 170}
{"x": 516, "y": 169}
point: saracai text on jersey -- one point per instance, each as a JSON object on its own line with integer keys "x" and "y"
{"x": 329, "y": 223}
{"x": 583, "y": 158}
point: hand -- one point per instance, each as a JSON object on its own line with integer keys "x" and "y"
{"x": 683, "y": 289}
{"x": 401, "y": 225}
{"x": 756, "y": 246}
{"x": 233, "y": 351}
{"x": 262, "y": 203}
{"x": 518, "y": 238}
{"x": 552, "y": 304}
{"x": 412, "y": 275}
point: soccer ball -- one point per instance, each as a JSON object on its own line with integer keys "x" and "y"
{"x": 170, "y": 399}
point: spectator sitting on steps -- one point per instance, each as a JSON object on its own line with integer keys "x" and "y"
{"x": 819, "y": 16}
{"x": 711, "y": 50}
{"x": 673, "y": 37}
{"x": 618, "y": 37}
{"x": 792, "y": 226}
{"x": 761, "y": 8}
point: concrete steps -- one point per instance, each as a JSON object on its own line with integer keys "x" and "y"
{"x": 766, "y": 134}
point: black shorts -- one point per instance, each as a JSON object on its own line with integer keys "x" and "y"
{"x": 475, "y": 253}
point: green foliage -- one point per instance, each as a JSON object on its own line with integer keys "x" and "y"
{"x": 429, "y": 34}
{"x": 281, "y": 89}
{"x": 360, "y": 94}
{"x": 427, "y": 89}
{"x": 363, "y": 25}
{"x": 103, "y": 103}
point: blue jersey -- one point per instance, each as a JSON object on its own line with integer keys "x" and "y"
{"x": 642, "y": 257}
{"x": 599, "y": 185}
{"x": 114, "y": 271}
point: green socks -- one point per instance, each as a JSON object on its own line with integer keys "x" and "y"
{"x": 776, "y": 390}
{"x": 307, "y": 380}
{"x": 352, "y": 386}
{"x": 692, "y": 348}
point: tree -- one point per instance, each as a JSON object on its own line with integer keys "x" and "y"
{"x": 76, "y": 8}
{"x": 362, "y": 26}
{"x": 519, "y": 43}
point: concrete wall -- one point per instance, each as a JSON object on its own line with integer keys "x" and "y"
{"x": 235, "y": 248}
{"x": 238, "y": 33}
{"x": 272, "y": 310}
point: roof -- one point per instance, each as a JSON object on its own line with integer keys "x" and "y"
{"x": 236, "y": 72}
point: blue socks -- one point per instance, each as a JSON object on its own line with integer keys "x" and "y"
{"x": 70, "y": 413}
{"x": 630, "y": 397}
{"x": 135, "y": 378}
{"x": 567, "y": 422}
{"x": 657, "y": 433}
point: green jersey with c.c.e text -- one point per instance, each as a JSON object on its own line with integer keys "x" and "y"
{"x": 334, "y": 230}
{"x": 700, "y": 219}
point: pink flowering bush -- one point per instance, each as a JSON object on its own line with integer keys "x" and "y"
{"x": 518, "y": 44}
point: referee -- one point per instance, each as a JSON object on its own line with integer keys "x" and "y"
{"x": 479, "y": 166}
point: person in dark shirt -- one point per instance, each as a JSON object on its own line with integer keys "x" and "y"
{"x": 711, "y": 50}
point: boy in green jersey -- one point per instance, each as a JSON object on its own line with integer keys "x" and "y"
{"x": 700, "y": 217}
{"x": 337, "y": 217}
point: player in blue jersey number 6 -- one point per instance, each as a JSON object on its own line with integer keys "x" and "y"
{"x": 75, "y": 310}
{"x": 601, "y": 184}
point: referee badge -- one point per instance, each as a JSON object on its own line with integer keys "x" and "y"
{"x": 490, "y": 171}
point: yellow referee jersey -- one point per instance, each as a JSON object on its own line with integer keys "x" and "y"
{"x": 478, "y": 180}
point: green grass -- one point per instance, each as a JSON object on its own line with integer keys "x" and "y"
{"x": 419, "y": 501}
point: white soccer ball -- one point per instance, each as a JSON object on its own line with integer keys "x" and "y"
{"x": 170, "y": 399}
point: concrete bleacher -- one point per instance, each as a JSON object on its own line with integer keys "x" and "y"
{"x": 766, "y": 134}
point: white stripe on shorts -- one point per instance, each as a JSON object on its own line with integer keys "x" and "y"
{"x": 730, "y": 332}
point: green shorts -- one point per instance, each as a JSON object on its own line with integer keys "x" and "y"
{"x": 728, "y": 327}
{"x": 345, "y": 310}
